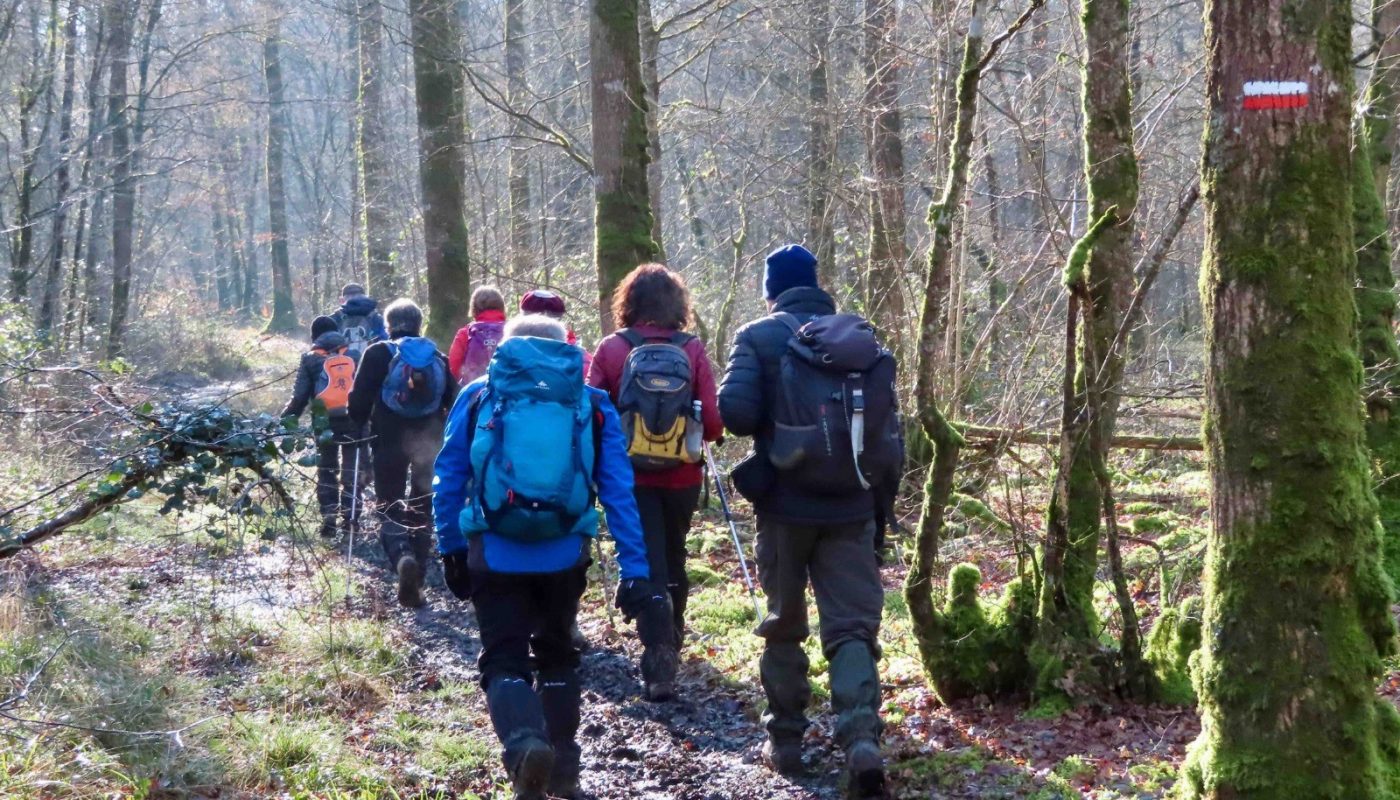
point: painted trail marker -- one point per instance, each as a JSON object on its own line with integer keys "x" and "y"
{"x": 1259, "y": 95}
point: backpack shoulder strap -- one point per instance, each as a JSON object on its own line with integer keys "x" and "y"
{"x": 681, "y": 338}
{"x": 788, "y": 319}
{"x": 597, "y": 408}
{"x": 631, "y": 337}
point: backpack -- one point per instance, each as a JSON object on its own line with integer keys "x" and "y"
{"x": 334, "y": 381}
{"x": 655, "y": 402}
{"x": 836, "y": 423}
{"x": 357, "y": 332}
{"x": 416, "y": 380}
{"x": 482, "y": 339}
{"x": 534, "y": 439}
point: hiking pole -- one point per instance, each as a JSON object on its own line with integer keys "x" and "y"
{"x": 354, "y": 519}
{"x": 733, "y": 531}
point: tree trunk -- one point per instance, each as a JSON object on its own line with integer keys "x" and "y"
{"x": 284, "y": 313}
{"x": 384, "y": 280}
{"x": 651, "y": 79}
{"x": 884, "y": 298}
{"x": 1375, "y": 289}
{"x": 1068, "y": 633}
{"x": 622, "y": 203}
{"x": 32, "y": 88}
{"x": 1296, "y": 605}
{"x": 441, "y": 170}
{"x": 522, "y": 235}
{"x": 821, "y": 144}
{"x": 118, "y": 27}
{"x": 48, "y": 311}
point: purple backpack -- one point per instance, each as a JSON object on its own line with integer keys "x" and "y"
{"x": 482, "y": 339}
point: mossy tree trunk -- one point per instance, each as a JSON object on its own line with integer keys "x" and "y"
{"x": 284, "y": 315}
{"x": 522, "y": 230}
{"x": 622, "y": 203}
{"x": 50, "y": 304}
{"x": 1375, "y": 288}
{"x": 884, "y": 297}
{"x": 1066, "y": 651}
{"x": 442, "y": 128}
{"x": 1296, "y": 616}
{"x": 929, "y": 627}
{"x": 372, "y": 151}
{"x": 651, "y": 79}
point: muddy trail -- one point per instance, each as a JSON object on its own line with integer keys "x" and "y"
{"x": 702, "y": 746}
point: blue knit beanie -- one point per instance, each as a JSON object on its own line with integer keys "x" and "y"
{"x": 788, "y": 267}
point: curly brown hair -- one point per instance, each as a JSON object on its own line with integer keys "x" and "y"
{"x": 652, "y": 295}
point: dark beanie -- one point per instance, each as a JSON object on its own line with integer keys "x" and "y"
{"x": 542, "y": 301}
{"x": 788, "y": 267}
{"x": 322, "y": 325}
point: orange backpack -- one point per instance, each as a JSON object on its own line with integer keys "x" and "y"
{"x": 335, "y": 381}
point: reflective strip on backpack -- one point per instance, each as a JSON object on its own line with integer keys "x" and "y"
{"x": 858, "y": 430}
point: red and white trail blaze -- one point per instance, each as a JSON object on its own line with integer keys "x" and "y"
{"x": 1260, "y": 95}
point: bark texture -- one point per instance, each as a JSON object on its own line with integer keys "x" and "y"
{"x": 884, "y": 141}
{"x": 821, "y": 153}
{"x": 622, "y": 203}
{"x": 372, "y": 149}
{"x": 441, "y": 168}
{"x": 1296, "y": 615}
{"x": 522, "y": 233}
{"x": 118, "y": 25}
{"x": 284, "y": 314}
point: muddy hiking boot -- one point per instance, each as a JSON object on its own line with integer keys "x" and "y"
{"x": 784, "y": 756}
{"x": 410, "y": 572}
{"x": 563, "y": 778}
{"x": 531, "y": 765}
{"x": 865, "y": 771}
{"x": 660, "y": 662}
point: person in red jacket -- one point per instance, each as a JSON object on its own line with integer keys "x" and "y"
{"x": 651, "y": 305}
{"x": 474, "y": 344}
{"x": 543, "y": 301}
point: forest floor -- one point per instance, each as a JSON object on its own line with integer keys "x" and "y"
{"x": 148, "y": 656}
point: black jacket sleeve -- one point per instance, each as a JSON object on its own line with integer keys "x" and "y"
{"x": 741, "y": 393}
{"x": 301, "y": 390}
{"x": 369, "y": 379}
{"x": 449, "y": 392}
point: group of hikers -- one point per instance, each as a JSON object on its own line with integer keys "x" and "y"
{"x": 504, "y": 447}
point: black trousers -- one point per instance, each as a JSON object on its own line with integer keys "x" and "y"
{"x": 525, "y": 623}
{"x": 404, "y": 451}
{"x": 336, "y": 483}
{"x": 666, "y": 516}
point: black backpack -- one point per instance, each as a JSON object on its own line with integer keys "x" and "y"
{"x": 836, "y": 424}
{"x": 655, "y": 403}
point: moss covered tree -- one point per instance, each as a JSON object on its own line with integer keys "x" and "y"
{"x": 622, "y": 205}
{"x": 1296, "y": 617}
{"x": 1375, "y": 288}
{"x": 284, "y": 313}
{"x": 372, "y": 147}
{"x": 442, "y": 127}
{"x": 1066, "y": 650}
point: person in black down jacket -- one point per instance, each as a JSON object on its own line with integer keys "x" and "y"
{"x": 826, "y": 538}
{"x": 336, "y": 484}
{"x": 404, "y": 448}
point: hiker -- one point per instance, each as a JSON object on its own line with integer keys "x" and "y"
{"x": 326, "y": 374}
{"x": 529, "y": 448}
{"x": 474, "y": 344}
{"x": 803, "y": 382}
{"x": 659, "y": 378}
{"x": 543, "y": 301}
{"x": 358, "y": 319}
{"x": 404, "y": 391}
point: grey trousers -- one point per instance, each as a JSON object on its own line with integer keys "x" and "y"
{"x": 839, "y": 563}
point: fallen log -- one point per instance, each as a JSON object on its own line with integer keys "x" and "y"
{"x": 988, "y": 433}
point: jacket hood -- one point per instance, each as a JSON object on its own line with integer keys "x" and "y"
{"x": 359, "y": 305}
{"x": 805, "y": 300}
{"x": 330, "y": 341}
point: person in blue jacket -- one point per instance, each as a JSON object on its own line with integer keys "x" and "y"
{"x": 514, "y": 536}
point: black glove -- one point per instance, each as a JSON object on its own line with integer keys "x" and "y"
{"x": 633, "y": 596}
{"x": 455, "y": 574}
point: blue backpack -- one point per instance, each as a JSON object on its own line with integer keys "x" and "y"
{"x": 533, "y": 442}
{"x": 417, "y": 378}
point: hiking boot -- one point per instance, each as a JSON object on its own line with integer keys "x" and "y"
{"x": 784, "y": 758}
{"x": 659, "y": 665}
{"x": 865, "y": 771}
{"x": 563, "y": 779}
{"x": 410, "y": 582}
{"x": 534, "y": 761}
{"x": 661, "y": 692}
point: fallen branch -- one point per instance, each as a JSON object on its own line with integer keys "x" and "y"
{"x": 987, "y": 433}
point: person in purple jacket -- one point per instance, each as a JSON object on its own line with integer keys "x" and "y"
{"x": 528, "y": 450}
